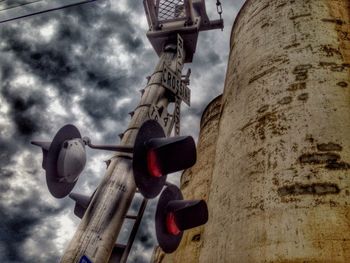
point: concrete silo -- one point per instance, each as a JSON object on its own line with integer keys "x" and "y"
{"x": 280, "y": 186}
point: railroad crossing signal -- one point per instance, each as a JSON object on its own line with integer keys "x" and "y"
{"x": 64, "y": 159}
{"x": 155, "y": 156}
{"x": 174, "y": 215}
{"x": 174, "y": 26}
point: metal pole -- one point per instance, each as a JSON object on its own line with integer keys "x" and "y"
{"x": 102, "y": 221}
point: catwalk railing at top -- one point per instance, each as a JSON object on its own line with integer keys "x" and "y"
{"x": 167, "y": 18}
{"x": 170, "y": 10}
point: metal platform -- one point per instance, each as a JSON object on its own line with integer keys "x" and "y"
{"x": 167, "y": 18}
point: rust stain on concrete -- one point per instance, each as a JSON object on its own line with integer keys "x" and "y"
{"x": 338, "y": 166}
{"x": 294, "y": 45}
{"x": 309, "y": 189}
{"x": 299, "y": 16}
{"x": 196, "y": 238}
{"x": 333, "y": 20}
{"x": 301, "y": 72}
{"x": 262, "y": 74}
{"x": 340, "y": 12}
{"x": 342, "y": 84}
{"x": 285, "y": 100}
{"x": 297, "y": 86}
{"x": 318, "y": 158}
{"x": 333, "y": 66}
{"x": 263, "y": 109}
{"x": 326, "y": 147}
{"x": 330, "y": 51}
{"x": 303, "y": 97}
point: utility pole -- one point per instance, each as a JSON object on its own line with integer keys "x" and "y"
{"x": 174, "y": 27}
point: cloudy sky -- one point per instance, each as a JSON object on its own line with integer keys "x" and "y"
{"x": 82, "y": 65}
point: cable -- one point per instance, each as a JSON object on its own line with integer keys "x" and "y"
{"x": 48, "y": 10}
{"x": 14, "y": 6}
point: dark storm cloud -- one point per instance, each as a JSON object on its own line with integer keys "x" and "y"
{"x": 49, "y": 64}
{"x": 23, "y": 211}
{"x": 112, "y": 24}
{"x": 74, "y": 58}
{"x": 58, "y": 65}
{"x": 6, "y": 69}
{"x": 20, "y": 217}
{"x": 8, "y": 148}
{"x": 88, "y": 28}
{"x": 16, "y": 227}
{"x": 26, "y": 112}
{"x": 99, "y": 106}
{"x": 208, "y": 58}
{"x": 145, "y": 237}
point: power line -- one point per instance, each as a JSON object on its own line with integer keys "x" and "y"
{"x": 47, "y": 10}
{"x": 15, "y": 6}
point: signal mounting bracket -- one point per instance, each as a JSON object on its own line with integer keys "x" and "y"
{"x": 167, "y": 18}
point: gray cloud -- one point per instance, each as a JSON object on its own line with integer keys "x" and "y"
{"x": 25, "y": 111}
{"x": 145, "y": 238}
{"x": 21, "y": 216}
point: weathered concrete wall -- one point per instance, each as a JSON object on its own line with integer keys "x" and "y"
{"x": 280, "y": 187}
{"x": 195, "y": 184}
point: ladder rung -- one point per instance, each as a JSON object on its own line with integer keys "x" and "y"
{"x": 131, "y": 217}
{"x": 120, "y": 246}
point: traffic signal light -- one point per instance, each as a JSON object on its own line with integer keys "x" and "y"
{"x": 155, "y": 156}
{"x": 174, "y": 215}
{"x": 63, "y": 160}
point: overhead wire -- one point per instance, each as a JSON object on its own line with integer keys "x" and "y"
{"x": 47, "y": 10}
{"x": 15, "y": 6}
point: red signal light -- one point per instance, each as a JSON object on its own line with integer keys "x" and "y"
{"x": 175, "y": 215}
{"x": 155, "y": 156}
{"x": 153, "y": 164}
{"x": 171, "y": 224}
